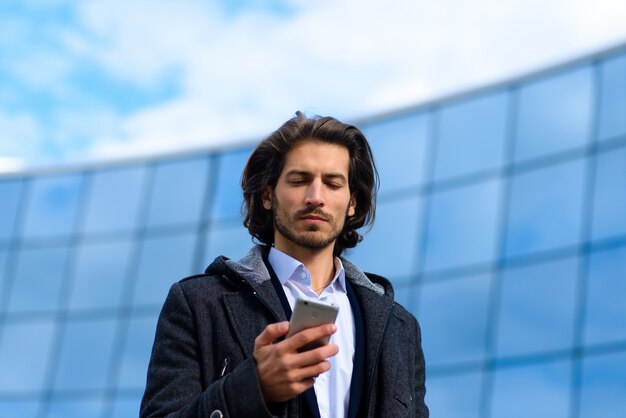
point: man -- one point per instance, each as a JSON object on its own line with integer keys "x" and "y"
{"x": 220, "y": 346}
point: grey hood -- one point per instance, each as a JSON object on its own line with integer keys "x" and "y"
{"x": 252, "y": 268}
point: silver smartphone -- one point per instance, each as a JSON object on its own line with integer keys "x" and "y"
{"x": 310, "y": 313}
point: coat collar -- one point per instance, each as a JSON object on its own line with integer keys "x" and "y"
{"x": 253, "y": 269}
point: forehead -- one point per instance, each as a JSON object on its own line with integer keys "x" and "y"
{"x": 318, "y": 157}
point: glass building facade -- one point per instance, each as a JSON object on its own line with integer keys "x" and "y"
{"x": 501, "y": 221}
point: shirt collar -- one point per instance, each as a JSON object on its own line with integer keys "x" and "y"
{"x": 288, "y": 268}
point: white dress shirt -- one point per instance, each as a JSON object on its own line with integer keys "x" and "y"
{"x": 332, "y": 388}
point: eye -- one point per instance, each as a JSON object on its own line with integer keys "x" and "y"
{"x": 297, "y": 182}
{"x": 334, "y": 186}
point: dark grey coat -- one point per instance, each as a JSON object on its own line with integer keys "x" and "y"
{"x": 202, "y": 355}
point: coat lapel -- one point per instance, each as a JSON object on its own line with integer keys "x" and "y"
{"x": 251, "y": 310}
{"x": 375, "y": 310}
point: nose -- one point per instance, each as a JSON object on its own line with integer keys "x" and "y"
{"x": 314, "y": 194}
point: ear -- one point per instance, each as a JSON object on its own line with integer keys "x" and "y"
{"x": 266, "y": 198}
{"x": 352, "y": 205}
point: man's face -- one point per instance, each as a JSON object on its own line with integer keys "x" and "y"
{"x": 312, "y": 197}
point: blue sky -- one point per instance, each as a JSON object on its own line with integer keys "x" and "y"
{"x": 99, "y": 80}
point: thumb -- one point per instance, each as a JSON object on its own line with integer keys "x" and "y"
{"x": 270, "y": 333}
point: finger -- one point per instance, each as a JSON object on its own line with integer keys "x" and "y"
{"x": 270, "y": 333}
{"x": 300, "y": 386}
{"x": 309, "y": 335}
{"x": 304, "y": 374}
{"x": 314, "y": 356}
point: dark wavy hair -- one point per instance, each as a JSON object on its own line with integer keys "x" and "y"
{"x": 267, "y": 160}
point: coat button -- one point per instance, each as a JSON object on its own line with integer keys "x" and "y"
{"x": 217, "y": 414}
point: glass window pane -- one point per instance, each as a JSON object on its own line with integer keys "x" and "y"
{"x": 228, "y": 195}
{"x": 24, "y": 355}
{"x": 53, "y": 206}
{"x": 545, "y": 388}
{"x": 472, "y": 135}
{"x": 400, "y": 145}
{"x": 38, "y": 280}
{"x": 545, "y": 211}
{"x": 178, "y": 191}
{"x": 163, "y": 261}
{"x": 125, "y": 407}
{"x": 406, "y": 295}
{"x": 463, "y": 226}
{"x": 100, "y": 272}
{"x": 453, "y": 316}
{"x": 134, "y": 363}
{"x": 397, "y": 222}
{"x": 456, "y": 396}
{"x": 4, "y": 255}
{"x": 18, "y": 409}
{"x": 114, "y": 199}
{"x": 603, "y": 392}
{"x": 609, "y": 205}
{"x": 613, "y": 98}
{"x": 62, "y": 408}
{"x": 10, "y": 193}
{"x": 85, "y": 358}
{"x": 537, "y": 308}
{"x": 606, "y": 297}
{"x": 554, "y": 114}
{"x": 232, "y": 240}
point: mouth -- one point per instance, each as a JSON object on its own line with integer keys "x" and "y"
{"x": 314, "y": 217}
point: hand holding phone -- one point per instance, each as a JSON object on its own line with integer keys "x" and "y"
{"x": 281, "y": 380}
{"x": 311, "y": 313}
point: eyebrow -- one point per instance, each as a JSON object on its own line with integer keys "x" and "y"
{"x": 296, "y": 172}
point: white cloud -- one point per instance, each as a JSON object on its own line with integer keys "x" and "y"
{"x": 17, "y": 129}
{"x": 140, "y": 41}
{"x": 20, "y": 138}
{"x": 241, "y": 76}
{"x": 11, "y": 164}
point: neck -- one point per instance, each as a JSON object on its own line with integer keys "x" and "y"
{"x": 320, "y": 263}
